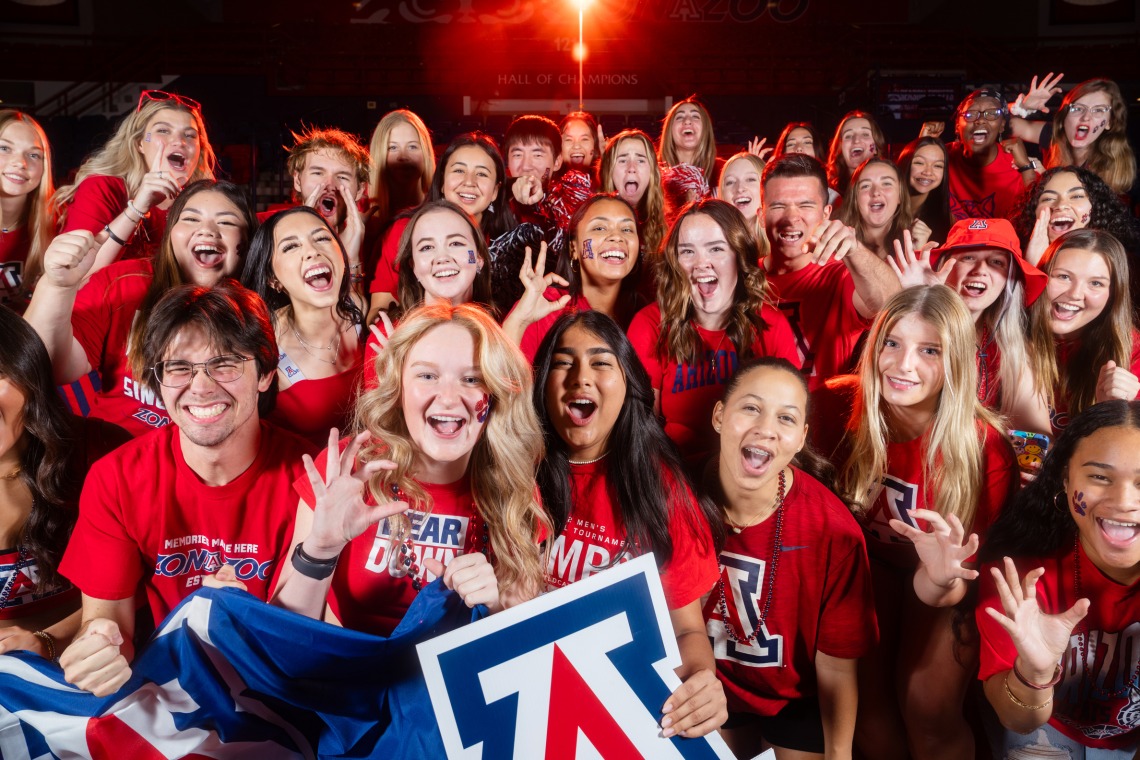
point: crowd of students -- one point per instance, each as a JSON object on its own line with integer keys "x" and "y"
{"x": 874, "y": 419}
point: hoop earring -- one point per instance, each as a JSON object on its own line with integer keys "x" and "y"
{"x": 1062, "y": 508}
{"x": 574, "y": 265}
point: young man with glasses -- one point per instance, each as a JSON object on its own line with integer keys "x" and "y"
{"x": 985, "y": 175}
{"x": 206, "y": 500}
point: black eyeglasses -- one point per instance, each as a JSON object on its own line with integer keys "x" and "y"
{"x": 990, "y": 114}
{"x": 178, "y": 373}
{"x": 161, "y": 95}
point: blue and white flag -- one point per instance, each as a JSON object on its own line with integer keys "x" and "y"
{"x": 229, "y": 676}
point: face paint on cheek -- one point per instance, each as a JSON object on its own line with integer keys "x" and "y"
{"x": 1084, "y": 219}
{"x": 1079, "y": 505}
{"x": 147, "y": 138}
{"x": 1100, "y": 127}
{"x": 587, "y": 250}
{"x": 471, "y": 257}
{"x": 483, "y": 408}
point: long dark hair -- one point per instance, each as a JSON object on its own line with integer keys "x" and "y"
{"x": 498, "y": 218}
{"x": 258, "y": 270}
{"x": 644, "y": 469}
{"x": 47, "y": 466}
{"x": 935, "y": 210}
{"x": 1034, "y": 525}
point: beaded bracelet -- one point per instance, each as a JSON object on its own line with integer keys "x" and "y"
{"x": 1021, "y": 704}
{"x": 133, "y": 207}
{"x": 49, "y": 644}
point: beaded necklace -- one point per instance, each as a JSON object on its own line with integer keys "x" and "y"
{"x": 778, "y": 534}
{"x": 406, "y": 561}
{"x": 1083, "y": 637}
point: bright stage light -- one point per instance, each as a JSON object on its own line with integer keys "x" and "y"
{"x": 580, "y": 52}
{"x": 582, "y": 5}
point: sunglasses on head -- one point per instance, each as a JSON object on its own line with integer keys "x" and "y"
{"x": 161, "y": 95}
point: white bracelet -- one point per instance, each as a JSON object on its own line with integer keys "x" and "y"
{"x": 1017, "y": 109}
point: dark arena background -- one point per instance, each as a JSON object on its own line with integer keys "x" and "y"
{"x": 261, "y": 69}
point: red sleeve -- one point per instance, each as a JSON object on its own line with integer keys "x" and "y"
{"x": 1134, "y": 365}
{"x": 693, "y": 569}
{"x": 102, "y": 559}
{"x": 778, "y": 340}
{"x": 98, "y": 200}
{"x": 644, "y": 332}
{"x": 91, "y": 315}
{"x": 1001, "y": 478}
{"x": 386, "y": 279}
{"x": 847, "y": 626}
{"x": 371, "y": 354}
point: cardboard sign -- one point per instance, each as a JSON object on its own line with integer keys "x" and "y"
{"x": 581, "y": 672}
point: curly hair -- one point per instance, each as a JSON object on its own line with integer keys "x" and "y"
{"x": 314, "y": 139}
{"x": 1108, "y": 213}
{"x": 505, "y": 457}
{"x": 120, "y": 155}
{"x": 679, "y": 339}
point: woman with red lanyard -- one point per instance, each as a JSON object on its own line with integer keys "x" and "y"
{"x": 787, "y": 625}
{"x": 614, "y": 489}
{"x": 1058, "y": 608}
{"x": 449, "y": 436}
{"x": 126, "y": 188}
{"x": 712, "y": 313}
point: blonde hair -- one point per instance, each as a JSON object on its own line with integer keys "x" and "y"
{"x": 755, "y": 223}
{"x": 952, "y": 448}
{"x": 378, "y": 150}
{"x": 38, "y": 215}
{"x": 838, "y": 175}
{"x": 651, "y": 208}
{"x": 705, "y": 160}
{"x": 120, "y": 156}
{"x": 1111, "y": 156}
{"x": 1107, "y": 337}
{"x": 850, "y": 214}
{"x": 505, "y": 458}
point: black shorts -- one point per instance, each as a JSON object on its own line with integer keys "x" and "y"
{"x": 797, "y": 726}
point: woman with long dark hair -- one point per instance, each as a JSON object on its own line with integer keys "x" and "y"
{"x": 90, "y": 327}
{"x": 923, "y": 165}
{"x": 613, "y": 486}
{"x": 45, "y": 453}
{"x": 299, "y": 267}
{"x": 1058, "y": 608}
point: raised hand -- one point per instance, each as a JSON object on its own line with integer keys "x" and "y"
{"x": 942, "y": 550}
{"x": 1039, "y": 238}
{"x": 1041, "y": 639}
{"x": 932, "y": 129}
{"x": 913, "y": 267}
{"x": 533, "y": 306}
{"x": 527, "y": 190}
{"x": 353, "y": 233}
{"x": 70, "y": 256}
{"x": 340, "y": 512}
{"x": 1116, "y": 383}
{"x": 920, "y": 232}
{"x": 158, "y": 185}
{"x": 830, "y": 241}
{"x": 1040, "y": 93}
{"x": 756, "y": 148}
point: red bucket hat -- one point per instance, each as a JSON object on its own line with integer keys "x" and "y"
{"x": 973, "y": 234}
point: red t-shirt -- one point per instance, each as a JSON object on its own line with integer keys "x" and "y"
{"x": 101, "y": 321}
{"x": 386, "y": 278}
{"x": 820, "y": 307}
{"x": 988, "y": 192}
{"x": 689, "y": 392}
{"x": 310, "y": 408}
{"x": 365, "y": 596}
{"x": 905, "y": 488}
{"x": 14, "y": 247}
{"x": 593, "y": 537}
{"x": 821, "y": 600}
{"x": 98, "y": 200}
{"x": 144, "y": 515}
{"x": 1084, "y": 708}
{"x": 534, "y": 334}
{"x": 1059, "y": 415}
